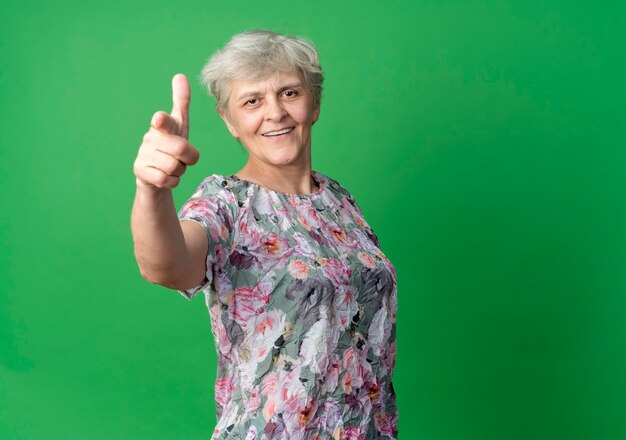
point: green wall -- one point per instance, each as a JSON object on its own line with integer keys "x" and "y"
{"x": 485, "y": 142}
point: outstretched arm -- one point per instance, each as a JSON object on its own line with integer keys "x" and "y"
{"x": 169, "y": 252}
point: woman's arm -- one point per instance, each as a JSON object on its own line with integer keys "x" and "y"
{"x": 168, "y": 252}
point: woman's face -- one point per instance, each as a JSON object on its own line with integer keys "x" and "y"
{"x": 272, "y": 118}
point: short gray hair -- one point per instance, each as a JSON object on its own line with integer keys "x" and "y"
{"x": 257, "y": 54}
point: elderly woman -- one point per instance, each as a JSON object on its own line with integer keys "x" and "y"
{"x": 302, "y": 300}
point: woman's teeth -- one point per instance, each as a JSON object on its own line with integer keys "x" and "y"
{"x": 279, "y": 132}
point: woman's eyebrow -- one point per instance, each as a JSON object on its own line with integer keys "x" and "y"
{"x": 247, "y": 93}
{"x": 291, "y": 86}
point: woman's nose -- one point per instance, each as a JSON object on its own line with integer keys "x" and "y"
{"x": 274, "y": 110}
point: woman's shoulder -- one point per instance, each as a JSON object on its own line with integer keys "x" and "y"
{"x": 221, "y": 186}
{"x": 337, "y": 188}
{"x": 347, "y": 200}
{"x": 216, "y": 192}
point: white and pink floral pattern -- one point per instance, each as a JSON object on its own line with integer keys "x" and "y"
{"x": 302, "y": 303}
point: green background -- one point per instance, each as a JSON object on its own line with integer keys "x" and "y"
{"x": 484, "y": 140}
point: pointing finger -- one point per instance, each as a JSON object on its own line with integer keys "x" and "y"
{"x": 181, "y": 95}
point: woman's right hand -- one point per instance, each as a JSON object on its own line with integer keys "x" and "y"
{"x": 165, "y": 151}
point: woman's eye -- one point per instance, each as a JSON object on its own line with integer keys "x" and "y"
{"x": 252, "y": 101}
{"x": 290, "y": 93}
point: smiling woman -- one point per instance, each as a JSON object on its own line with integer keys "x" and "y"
{"x": 301, "y": 298}
{"x": 272, "y": 118}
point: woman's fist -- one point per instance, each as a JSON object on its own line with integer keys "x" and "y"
{"x": 165, "y": 151}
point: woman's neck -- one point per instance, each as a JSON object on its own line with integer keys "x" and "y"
{"x": 290, "y": 180}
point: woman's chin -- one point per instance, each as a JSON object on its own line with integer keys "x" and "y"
{"x": 285, "y": 158}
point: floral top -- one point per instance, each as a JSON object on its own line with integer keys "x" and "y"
{"x": 302, "y": 303}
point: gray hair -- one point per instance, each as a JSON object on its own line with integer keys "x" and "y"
{"x": 257, "y": 54}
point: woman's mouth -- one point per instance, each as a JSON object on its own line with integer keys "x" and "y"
{"x": 278, "y": 133}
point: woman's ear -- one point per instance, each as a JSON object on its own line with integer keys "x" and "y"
{"x": 316, "y": 114}
{"x": 229, "y": 125}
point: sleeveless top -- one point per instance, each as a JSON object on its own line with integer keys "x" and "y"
{"x": 302, "y": 303}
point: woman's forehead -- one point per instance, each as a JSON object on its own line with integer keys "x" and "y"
{"x": 276, "y": 80}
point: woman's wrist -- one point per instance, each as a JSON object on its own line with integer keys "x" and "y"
{"x": 151, "y": 190}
